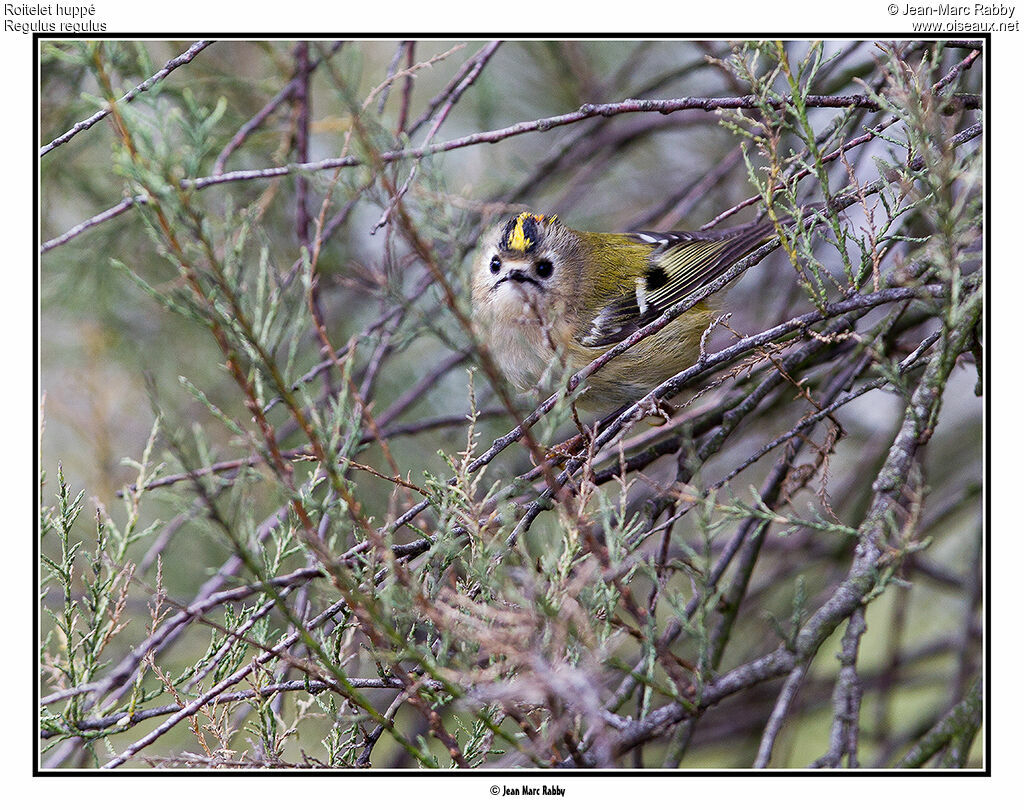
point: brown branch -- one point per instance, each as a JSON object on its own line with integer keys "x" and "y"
{"x": 178, "y": 61}
{"x": 663, "y": 106}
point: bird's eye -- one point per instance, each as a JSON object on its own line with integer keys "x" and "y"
{"x": 544, "y": 268}
{"x": 495, "y": 264}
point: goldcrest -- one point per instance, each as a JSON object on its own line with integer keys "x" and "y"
{"x": 548, "y": 297}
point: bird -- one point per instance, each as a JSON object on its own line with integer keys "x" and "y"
{"x": 548, "y": 297}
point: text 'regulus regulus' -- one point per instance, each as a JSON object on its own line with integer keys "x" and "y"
{"x": 545, "y": 294}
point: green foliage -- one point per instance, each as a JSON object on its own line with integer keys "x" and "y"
{"x": 340, "y": 549}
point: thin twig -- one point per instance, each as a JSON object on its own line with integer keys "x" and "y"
{"x": 172, "y": 64}
{"x": 492, "y": 136}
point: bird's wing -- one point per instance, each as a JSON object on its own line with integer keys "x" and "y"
{"x": 681, "y": 263}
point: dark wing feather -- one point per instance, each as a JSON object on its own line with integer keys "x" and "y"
{"x": 681, "y": 263}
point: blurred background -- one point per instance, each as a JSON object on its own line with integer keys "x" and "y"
{"x": 335, "y": 256}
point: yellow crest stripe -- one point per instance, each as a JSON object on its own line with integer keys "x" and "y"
{"x": 517, "y": 239}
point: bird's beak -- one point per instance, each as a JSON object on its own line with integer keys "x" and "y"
{"x": 520, "y": 275}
